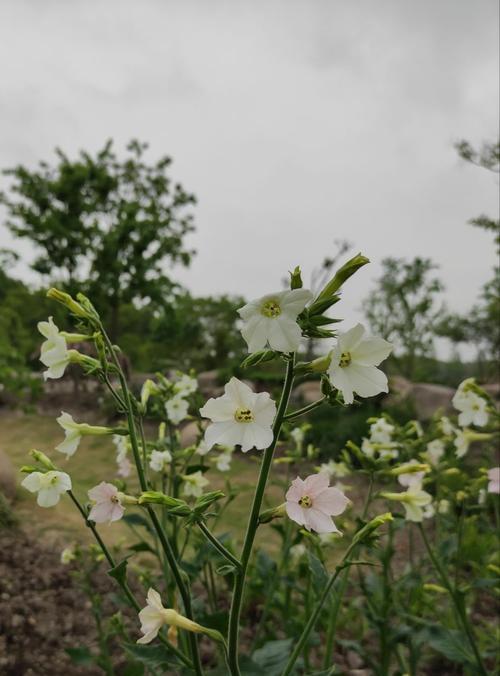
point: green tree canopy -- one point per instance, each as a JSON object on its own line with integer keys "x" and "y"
{"x": 104, "y": 224}
{"x": 403, "y": 308}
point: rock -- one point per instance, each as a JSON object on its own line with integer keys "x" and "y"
{"x": 308, "y": 392}
{"x": 208, "y": 382}
{"x": 7, "y": 477}
{"x": 189, "y": 434}
{"x": 426, "y": 398}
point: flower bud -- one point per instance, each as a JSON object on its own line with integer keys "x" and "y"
{"x": 338, "y": 280}
{"x": 274, "y": 513}
{"x": 296, "y": 279}
{"x": 372, "y": 526}
{"x": 69, "y": 302}
{"x": 410, "y": 468}
{"x": 428, "y": 586}
{"x": 40, "y": 457}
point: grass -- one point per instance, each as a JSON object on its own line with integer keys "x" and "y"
{"x": 93, "y": 462}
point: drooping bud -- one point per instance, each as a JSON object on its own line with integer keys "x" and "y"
{"x": 372, "y": 526}
{"x": 69, "y": 302}
{"x": 41, "y": 458}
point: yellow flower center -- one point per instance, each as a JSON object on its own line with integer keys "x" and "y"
{"x": 243, "y": 415}
{"x": 345, "y": 359}
{"x": 306, "y": 501}
{"x": 271, "y": 308}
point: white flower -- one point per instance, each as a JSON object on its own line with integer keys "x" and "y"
{"x": 194, "y": 484}
{"x": 381, "y": 431}
{"x": 411, "y": 478}
{"x": 386, "y": 451}
{"x": 481, "y": 497}
{"x": 414, "y": 500}
{"x": 74, "y": 431}
{"x": 443, "y": 506}
{"x": 446, "y": 426}
{"x": 185, "y": 385}
{"x": 240, "y": 416}
{"x": 333, "y": 468}
{"x": 298, "y": 436}
{"x": 223, "y": 461}
{"x": 121, "y": 444}
{"x": 429, "y": 511}
{"x": 49, "y": 486}
{"x": 474, "y": 409}
{"x": 462, "y": 442}
{"x": 435, "y": 451}
{"x": 202, "y": 448}
{"x": 54, "y": 351}
{"x": 159, "y": 460}
{"x": 272, "y": 320}
{"x": 68, "y": 555}
{"x": 177, "y": 409}
{"x": 72, "y": 434}
{"x": 154, "y": 616}
{"x": 353, "y": 364}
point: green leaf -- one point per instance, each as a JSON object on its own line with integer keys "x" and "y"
{"x": 137, "y": 520}
{"x": 119, "y": 572}
{"x": 451, "y": 643}
{"x": 226, "y": 569}
{"x": 318, "y": 572}
{"x": 81, "y": 656}
{"x": 141, "y": 547}
{"x": 151, "y": 655}
{"x": 273, "y": 656}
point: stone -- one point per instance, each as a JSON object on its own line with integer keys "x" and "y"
{"x": 7, "y": 477}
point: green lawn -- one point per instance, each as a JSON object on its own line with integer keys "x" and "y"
{"x": 93, "y": 462}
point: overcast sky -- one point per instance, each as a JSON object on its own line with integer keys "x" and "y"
{"x": 294, "y": 122}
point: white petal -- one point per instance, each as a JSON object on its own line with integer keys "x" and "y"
{"x": 316, "y": 483}
{"x": 331, "y": 501}
{"x": 255, "y": 332}
{"x": 70, "y": 444}
{"x": 221, "y": 409}
{"x": 250, "y": 309}
{"x": 342, "y": 382}
{"x": 367, "y": 381}
{"x": 154, "y": 599}
{"x": 371, "y": 351}
{"x": 48, "y": 497}
{"x": 294, "y": 301}
{"x": 225, "y": 433}
{"x": 264, "y": 409}
{"x": 32, "y": 482}
{"x": 295, "y": 512}
{"x": 319, "y": 522}
{"x": 284, "y": 334}
{"x": 255, "y": 436}
{"x": 296, "y": 490}
{"x": 240, "y": 394}
{"x": 350, "y": 339}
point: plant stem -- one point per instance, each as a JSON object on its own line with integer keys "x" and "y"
{"x": 304, "y": 410}
{"x": 124, "y": 585}
{"x": 299, "y": 646}
{"x": 218, "y": 545}
{"x": 169, "y": 554}
{"x": 462, "y": 615}
{"x": 253, "y": 523}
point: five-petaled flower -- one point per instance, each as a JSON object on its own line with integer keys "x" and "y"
{"x": 435, "y": 451}
{"x": 415, "y": 501}
{"x": 193, "y": 484}
{"x": 159, "y": 460}
{"x": 473, "y": 408}
{"x": 154, "y": 616}
{"x": 312, "y": 502}
{"x": 240, "y": 416}
{"x": 49, "y": 486}
{"x": 74, "y": 431}
{"x": 354, "y": 361}
{"x": 272, "y": 320}
{"x": 107, "y": 503}
{"x": 177, "y": 409}
{"x": 54, "y": 351}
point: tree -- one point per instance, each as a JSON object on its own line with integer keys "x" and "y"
{"x": 104, "y": 225}
{"x": 403, "y": 309}
{"x": 481, "y": 326}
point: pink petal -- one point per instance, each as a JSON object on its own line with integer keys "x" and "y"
{"x": 316, "y": 483}
{"x": 116, "y": 511}
{"x": 296, "y": 490}
{"x": 102, "y": 492}
{"x": 331, "y": 501}
{"x": 101, "y": 512}
{"x": 295, "y": 512}
{"x": 319, "y": 522}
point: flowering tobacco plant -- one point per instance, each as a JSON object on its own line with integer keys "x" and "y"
{"x": 195, "y": 575}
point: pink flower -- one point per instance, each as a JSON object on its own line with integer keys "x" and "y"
{"x": 108, "y": 506}
{"x": 494, "y": 477}
{"x": 312, "y": 503}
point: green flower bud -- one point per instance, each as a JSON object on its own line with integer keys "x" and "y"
{"x": 69, "y": 302}
{"x": 296, "y": 279}
{"x": 40, "y": 457}
{"x": 372, "y": 526}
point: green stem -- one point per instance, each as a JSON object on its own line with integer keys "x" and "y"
{"x": 124, "y": 585}
{"x": 299, "y": 646}
{"x": 462, "y": 615}
{"x": 169, "y": 554}
{"x": 304, "y": 410}
{"x": 253, "y": 524}
{"x": 218, "y": 545}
